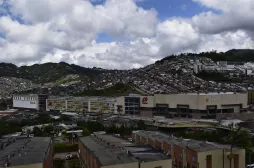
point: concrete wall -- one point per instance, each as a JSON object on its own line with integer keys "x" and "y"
{"x": 217, "y": 158}
{"x": 39, "y": 165}
{"x": 201, "y": 101}
{"x": 161, "y": 163}
{"x": 120, "y": 101}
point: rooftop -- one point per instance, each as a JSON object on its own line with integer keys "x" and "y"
{"x": 199, "y": 146}
{"x": 112, "y": 150}
{"x": 25, "y": 151}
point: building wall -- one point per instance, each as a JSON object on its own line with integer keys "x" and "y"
{"x": 201, "y": 101}
{"x": 217, "y": 159}
{"x": 25, "y": 101}
{"x": 120, "y": 102}
{"x": 147, "y": 101}
{"x": 162, "y": 164}
{"x": 82, "y": 105}
{"x": 191, "y": 158}
{"x": 56, "y": 104}
{"x": 179, "y": 157}
{"x": 158, "y": 145}
{"x": 39, "y": 165}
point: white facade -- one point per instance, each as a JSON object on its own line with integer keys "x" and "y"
{"x": 193, "y": 101}
{"x": 202, "y": 100}
{"x": 25, "y": 101}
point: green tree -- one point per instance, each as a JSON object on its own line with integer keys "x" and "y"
{"x": 238, "y": 137}
{"x": 48, "y": 130}
{"x": 86, "y": 132}
{"x": 37, "y": 131}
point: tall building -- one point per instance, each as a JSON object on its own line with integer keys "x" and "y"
{"x": 191, "y": 153}
{"x": 107, "y": 151}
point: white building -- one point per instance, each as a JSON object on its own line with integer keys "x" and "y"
{"x": 26, "y": 101}
{"x": 184, "y": 105}
{"x": 30, "y": 101}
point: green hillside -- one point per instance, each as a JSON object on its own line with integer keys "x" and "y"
{"x": 116, "y": 90}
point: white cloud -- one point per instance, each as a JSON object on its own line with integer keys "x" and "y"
{"x": 67, "y": 30}
{"x": 231, "y": 16}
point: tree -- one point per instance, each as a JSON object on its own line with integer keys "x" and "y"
{"x": 48, "y": 129}
{"x": 86, "y": 132}
{"x": 238, "y": 137}
{"x": 37, "y": 131}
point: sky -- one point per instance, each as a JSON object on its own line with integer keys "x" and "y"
{"x": 120, "y": 34}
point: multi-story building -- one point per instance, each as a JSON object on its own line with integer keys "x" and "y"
{"x": 24, "y": 152}
{"x": 192, "y": 153}
{"x": 107, "y": 151}
{"x": 83, "y": 104}
{"x": 198, "y": 105}
{"x": 30, "y": 101}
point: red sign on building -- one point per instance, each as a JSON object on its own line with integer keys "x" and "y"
{"x": 144, "y": 100}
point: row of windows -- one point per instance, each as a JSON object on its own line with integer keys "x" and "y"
{"x": 24, "y": 98}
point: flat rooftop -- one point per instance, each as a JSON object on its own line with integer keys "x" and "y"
{"x": 25, "y": 151}
{"x": 198, "y": 146}
{"x": 111, "y": 150}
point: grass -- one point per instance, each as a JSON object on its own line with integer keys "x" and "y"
{"x": 64, "y": 80}
{"x": 58, "y": 163}
{"x": 62, "y": 147}
{"x": 74, "y": 163}
{"x": 116, "y": 90}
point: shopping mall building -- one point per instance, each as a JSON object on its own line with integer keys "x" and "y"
{"x": 189, "y": 105}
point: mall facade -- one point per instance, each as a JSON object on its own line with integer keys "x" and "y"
{"x": 187, "y": 105}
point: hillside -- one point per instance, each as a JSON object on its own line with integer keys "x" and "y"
{"x": 51, "y": 72}
{"x": 116, "y": 90}
{"x": 172, "y": 74}
{"x": 48, "y": 72}
{"x": 234, "y": 55}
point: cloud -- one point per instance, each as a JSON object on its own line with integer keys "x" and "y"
{"x": 231, "y": 16}
{"x": 52, "y": 31}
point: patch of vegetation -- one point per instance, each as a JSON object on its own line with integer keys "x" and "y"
{"x": 116, "y": 90}
{"x": 74, "y": 163}
{"x": 48, "y": 72}
{"x": 63, "y": 148}
{"x": 58, "y": 163}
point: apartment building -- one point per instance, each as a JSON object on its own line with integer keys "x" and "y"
{"x": 191, "y": 153}
{"x": 107, "y": 151}
{"x": 26, "y": 152}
